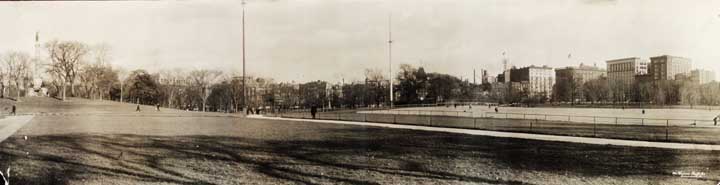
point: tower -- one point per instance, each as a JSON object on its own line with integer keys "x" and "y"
{"x": 390, "y": 41}
{"x": 506, "y": 68}
{"x": 35, "y": 69}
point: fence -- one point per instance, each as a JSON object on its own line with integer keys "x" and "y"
{"x": 673, "y": 130}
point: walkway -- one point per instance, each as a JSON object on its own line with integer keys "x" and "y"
{"x": 571, "y": 139}
{"x": 11, "y": 124}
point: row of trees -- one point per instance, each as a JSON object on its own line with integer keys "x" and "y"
{"x": 77, "y": 69}
{"x": 682, "y": 90}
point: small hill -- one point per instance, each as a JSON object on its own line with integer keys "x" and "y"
{"x": 70, "y": 105}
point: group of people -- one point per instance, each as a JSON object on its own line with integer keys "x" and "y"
{"x": 157, "y": 107}
{"x": 250, "y": 111}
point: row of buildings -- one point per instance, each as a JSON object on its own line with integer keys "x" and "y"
{"x": 620, "y": 73}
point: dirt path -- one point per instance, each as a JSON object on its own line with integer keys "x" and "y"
{"x": 10, "y": 125}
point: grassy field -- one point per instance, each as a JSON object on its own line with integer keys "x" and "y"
{"x": 101, "y": 149}
{"x": 688, "y": 114}
{"x": 648, "y": 132}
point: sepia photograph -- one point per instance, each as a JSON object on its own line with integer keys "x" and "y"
{"x": 325, "y": 92}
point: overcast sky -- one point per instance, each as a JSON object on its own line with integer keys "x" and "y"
{"x": 292, "y": 40}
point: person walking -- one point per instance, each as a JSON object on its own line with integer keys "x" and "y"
{"x": 716, "y": 119}
{"x": 643, "y": 111}
{"x": 158, "y": 106}
{"x": 137, "y": 109}
{"x": 14, "y": 109}
{"x": 496, "y": 110}
{"x": 313, "y": 111}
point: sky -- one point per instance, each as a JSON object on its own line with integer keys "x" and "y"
{"x": 300, "y": 41}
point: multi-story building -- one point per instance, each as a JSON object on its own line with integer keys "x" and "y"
{"x": 702, "y": 76}
{"x": 580, "y": 74}
{"x": 577, "y": 76}
{"x": 621, "y": 75}
{"x": 490, "y": 79}
{"x": 666, "y": 67}
{"x": 624, "y": 70}
{"x": 536, "y": 79}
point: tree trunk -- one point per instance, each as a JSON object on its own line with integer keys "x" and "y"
{"x": 18, "y": 93}
{"x": 172, "y": 93}
{"x": 121, "y": 92}
{"x": 63, "y": 91}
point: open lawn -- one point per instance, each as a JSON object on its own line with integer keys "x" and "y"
{"x": 671, "y": 131}
{"x": 127, "y": 149}
{"x": 704, "y": 116}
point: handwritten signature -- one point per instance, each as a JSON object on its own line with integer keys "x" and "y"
{"x": 692, "y": 174}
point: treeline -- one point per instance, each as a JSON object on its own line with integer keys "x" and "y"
{"x": 681, "y": 91}
{"x": 76, "y": 69}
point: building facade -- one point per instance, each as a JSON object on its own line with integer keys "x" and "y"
{"x": 574, "y": 77}
{"x": 624, "y": 70}
{"x": 537, "y": 80}
{"x": 667, "y": 67}
{"x": 621, "y": 75}
{"x": 580, "y": 73}
{"x": 702, "y": 76}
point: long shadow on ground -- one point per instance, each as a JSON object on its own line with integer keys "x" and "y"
{"x": 358, "y": 155}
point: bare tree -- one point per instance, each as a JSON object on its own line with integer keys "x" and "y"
{"x": 122, "y": 77}
{"x": 16, "y": 69}
{"x": 172, "y": 82}
{"x": 95, "y": 75}
{"x": 202, "y": 79}
{"x": 66, "y": 57}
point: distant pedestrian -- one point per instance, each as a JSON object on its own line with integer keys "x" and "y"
{"x": 158, "y": 106}
{"x": 313, "y": 111}
{"x": 715, "y": 120}
{"x": 455, "y": 105}
{"x": 137, "y": 109}
{"x": 496, "y": 110}
{"x": 643, "y": 111}
{"x": 14, "y": 109}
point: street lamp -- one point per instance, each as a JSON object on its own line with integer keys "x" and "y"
{"x": 392, "y": 94}
{"x": 243, "y": 56}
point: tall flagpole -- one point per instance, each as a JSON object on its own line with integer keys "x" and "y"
{"x": 243, "y": 57}
{"x": 392, "y": 94}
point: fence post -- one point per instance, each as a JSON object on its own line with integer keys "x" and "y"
{"x": 531, "y": 125}
{"x": 616, "y": 120}
{"x": 475, "y": 122}
{"x": 642, "y": 121}
{"x": 667, "y": 125}
{"x": 594, "y": 129}
{"x": 365, "y": 119}
{"x": 394, "y": 118}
